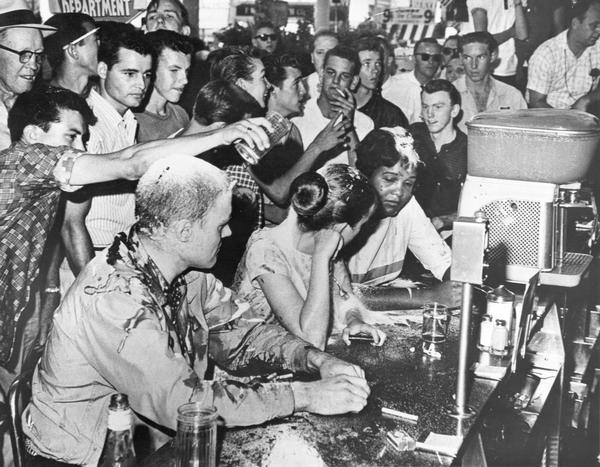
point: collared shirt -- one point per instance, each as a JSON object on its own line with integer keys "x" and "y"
{"x": 555, "y": 72}
{"x": 380, "y": 247}
{"x": 404, "y": 90}
{"x": 31, "y": 180}
{"x": 121, "y": 327}
{"x": 501, "y": 97}
{"x": 384, "y": 113}
{"x": 443, "y": 173}
{"x": 243, "y": 179}
{"x": 312, "y": 122}
{"x": 4, "y": 132}
{"x": 113, "y": 205}
{"x": 500, "y": 17}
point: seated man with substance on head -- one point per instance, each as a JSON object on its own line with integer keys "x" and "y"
{"x": 142, "y": 320}
{"x": 387, "y": 158}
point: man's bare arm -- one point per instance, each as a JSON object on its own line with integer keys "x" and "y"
{"x": 132, "y": 162}
{"x": 538, "y": 100}
{"x": 76, "y": 238}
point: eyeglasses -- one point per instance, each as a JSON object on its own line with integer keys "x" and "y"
{"x": 25, "y": 55}
{"x": 426, "y": 57}
{"x": 266, "y": 37}
{"x": 449, "y": 51}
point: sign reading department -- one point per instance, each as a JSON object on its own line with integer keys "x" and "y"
{"x": 110, "y": 9}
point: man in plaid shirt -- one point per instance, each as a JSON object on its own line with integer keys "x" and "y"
{"x": 564, "y": 70}
{"x": 47, "y": 128}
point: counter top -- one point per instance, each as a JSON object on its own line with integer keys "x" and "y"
{"x": 401, "y": 377}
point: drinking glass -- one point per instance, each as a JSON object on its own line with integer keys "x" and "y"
{"x": 435, "y": 323}
{"x": 281, "y": 127}
{"x": 196, "y": 439}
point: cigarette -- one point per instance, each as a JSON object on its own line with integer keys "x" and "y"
{"x": 398, "y": 414}
{"x": 340, "y": 92}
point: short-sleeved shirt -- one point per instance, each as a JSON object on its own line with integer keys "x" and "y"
{"x": 152, "y": 126}
{"x": 556, "y": 73}
{"x": 269, "y": 251}
{"x": 383, "y": 113}
{"x": 500, "y": 17}
{"x": 501, "y": 97}
{"x": 404, "y": 90}
{"x": 31, "y": 180}
{"x": 312, "y": 122}
{"x": 380, "y": 248}
{"x": 442, "y": 175}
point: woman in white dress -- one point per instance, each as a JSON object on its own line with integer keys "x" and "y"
{"x": 291, "y": 272}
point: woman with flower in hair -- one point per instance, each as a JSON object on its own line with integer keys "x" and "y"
{"x": 386, "y": 156}
{"x": 292, "y": 273}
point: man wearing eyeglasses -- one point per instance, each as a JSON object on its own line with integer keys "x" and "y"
{"x": 479, "y": 90}
{"x": 21, "y": 55}
{"x": 405, "y": 88}
{"x": 561, "y": 69}
{"x": 265, "y": 38}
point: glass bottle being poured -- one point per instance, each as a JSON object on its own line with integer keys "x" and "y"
{"x": 118, "y": 447}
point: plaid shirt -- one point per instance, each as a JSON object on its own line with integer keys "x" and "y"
{"x": 243, "y": 179}
{"x": 31, "y": 177}
{"x": 560, "y": 76}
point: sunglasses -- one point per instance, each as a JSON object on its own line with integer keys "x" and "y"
{"x": 449, "y": 51}
{"x": 266, "y": 37}
{"x": 426, "y": 57}
{"x": 25, "y": 55}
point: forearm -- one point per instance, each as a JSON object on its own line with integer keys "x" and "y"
{"x": 314, "y": 315}
{"x": 505, "y": 35}
{"x": 260, "y": 349}
{"x": 521, "y": 31}
{"x": 79, "y": 249}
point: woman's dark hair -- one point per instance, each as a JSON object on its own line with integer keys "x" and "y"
{"x": 341, "y": 195}
{"x": 379, "y": 149}
{"x": 222, "y": 101}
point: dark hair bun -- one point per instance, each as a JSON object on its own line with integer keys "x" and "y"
{"x": 309, "y": 194}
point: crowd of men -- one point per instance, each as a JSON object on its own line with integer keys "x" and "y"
{"x": 118, "y": 100}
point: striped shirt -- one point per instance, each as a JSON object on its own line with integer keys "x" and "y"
{"x": 560, "y": 76}
{"x": 113, "y": 204}
{"x": 380, "y": 256}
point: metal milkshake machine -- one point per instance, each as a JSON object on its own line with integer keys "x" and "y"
{"x": 526, "y": 170}
{"x": 528, "y": 181}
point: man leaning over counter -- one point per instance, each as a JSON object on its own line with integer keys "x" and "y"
{"x": 135, "y": 322}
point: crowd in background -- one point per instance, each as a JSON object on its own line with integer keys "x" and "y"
{"x": 362, "y": 190}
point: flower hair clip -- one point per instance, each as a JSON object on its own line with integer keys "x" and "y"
{"x": 404, "y": 144}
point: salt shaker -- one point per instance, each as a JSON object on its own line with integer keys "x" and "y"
{"x": 486, "y": 329}
{"x": 499, "y": 338}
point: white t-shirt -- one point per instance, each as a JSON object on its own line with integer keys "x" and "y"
{"x": 499, "y": 19}
{"x": 404, "y": 90}
{"x": 381, "y": 257}
{"x": 312, "y": 122}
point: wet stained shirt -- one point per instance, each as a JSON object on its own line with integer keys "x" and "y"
{"x": 123, "y": 328}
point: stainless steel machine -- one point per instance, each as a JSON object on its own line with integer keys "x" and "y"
{"x": 525, "y": 173}
{"x": 526, "y": 181}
